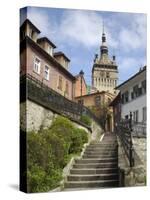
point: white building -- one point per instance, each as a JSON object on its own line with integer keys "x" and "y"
{"x": 133, "y": 96}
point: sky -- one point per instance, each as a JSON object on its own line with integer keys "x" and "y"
{"x": 78, "y": 33}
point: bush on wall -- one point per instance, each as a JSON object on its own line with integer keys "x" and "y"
{"x": 48, "y": 152}
{"x": 86, "y": 120}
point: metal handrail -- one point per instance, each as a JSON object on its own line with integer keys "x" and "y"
{"x": 124, "y": 131}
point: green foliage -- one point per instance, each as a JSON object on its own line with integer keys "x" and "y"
{"x": 86, "y": 120}
{"x": 49, "y": 150}
{"x": 79, "y": 137}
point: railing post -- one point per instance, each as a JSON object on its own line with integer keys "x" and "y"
{"x": 131, "y": 145}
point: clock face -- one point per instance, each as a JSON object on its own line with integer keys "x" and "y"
{"x": 102, "y": 74}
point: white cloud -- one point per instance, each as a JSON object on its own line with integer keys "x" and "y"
{"x": 77, "y": 27}
{"x": 85, "y": 28}
{"x": 129, "y": 66}
{"x": 81, "y": 26}
{"x": 41, "y": 19}
{"x": 134, "y": 36}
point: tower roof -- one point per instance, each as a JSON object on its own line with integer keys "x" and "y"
{"x": 104, "y": 57}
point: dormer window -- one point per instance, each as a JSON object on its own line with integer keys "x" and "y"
{"x": 29, "y": 29}
{"x": 50, "y": 50}
{"x": 31, "y": 34}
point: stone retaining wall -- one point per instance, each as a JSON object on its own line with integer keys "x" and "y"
{"x": 34, "y": 117}
{"x": 135, "y": 176}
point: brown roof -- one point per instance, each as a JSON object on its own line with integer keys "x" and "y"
{"x": 47, "y": 40}
{"x": 29, "y": 41}
{"x": 59, "y": 53}
{"x": 27, "y": 21}
{"x": 95, "y": 93}
{"x": 115, "y": 100}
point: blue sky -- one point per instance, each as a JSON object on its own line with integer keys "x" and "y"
{"x": 78, "y": 34}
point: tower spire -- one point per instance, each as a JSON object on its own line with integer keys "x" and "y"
{"x": 103, "y": 47}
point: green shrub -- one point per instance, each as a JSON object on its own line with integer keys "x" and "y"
{"x": 86, "y": 120}
{"x": 49, "y": 150}
{"x": 79, "y": 137}
{"x": 41, "y": 169}
{"x": 84, "y": 135}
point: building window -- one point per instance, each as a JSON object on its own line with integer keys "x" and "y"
{"x": 46, "y": 72}
{"x": 144, "y": 113}
{"x": 50, "y": 50}
{"x": 125, "y": 97}
{"x": 132, "y": 95}
{"x": 60, "y": 83}
{"x": 37, "y": 65}
{"x": 81, "y": 101}
{"x": 144, "y": 87}
{"x": 97, "y": 100}
{"x": 136, "y": 116}
{"x": 122, "y": 98}
{"x": 31, "y": 34}
{"x": 136, "y": 91}
{"x": 67, "y": 88}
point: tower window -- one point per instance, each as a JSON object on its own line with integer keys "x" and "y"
{"x": 107, "y": 75}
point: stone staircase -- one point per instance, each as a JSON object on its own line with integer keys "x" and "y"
{"x": 98, "y": 167}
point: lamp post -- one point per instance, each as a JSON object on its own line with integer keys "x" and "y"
{"x": 81, "y": 75}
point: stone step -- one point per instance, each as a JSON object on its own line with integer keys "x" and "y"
{"x": 91, "y": 184}
{"x": 92, "y": 177}
{"x": 100, "y": 149}
{"x": 96, "y": 165}
{"x": 94, "y": 171}
{"x": 100, "y": 153}
{"x": 103, "y": 145}
{"x": 102, "y": 160}
{"x": 99, "y": 156}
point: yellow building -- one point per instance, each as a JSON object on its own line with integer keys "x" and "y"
{"x": 98, "y": 102}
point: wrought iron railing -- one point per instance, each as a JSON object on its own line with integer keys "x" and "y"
{"x": 38, "y": 92}
{"x": 124, "y": 131}
{"x": 139, "y": 129}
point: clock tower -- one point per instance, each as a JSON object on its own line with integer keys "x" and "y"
{"x": 105, "y": 70}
